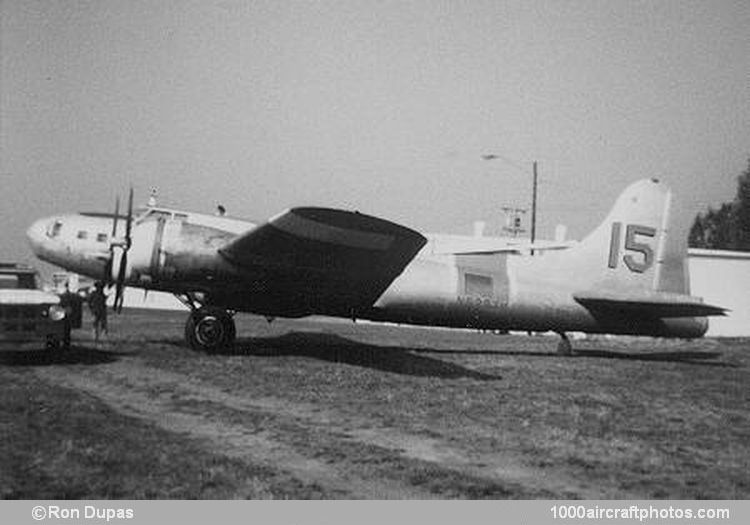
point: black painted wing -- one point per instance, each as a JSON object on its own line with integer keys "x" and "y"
{"x": 321, "y": 260}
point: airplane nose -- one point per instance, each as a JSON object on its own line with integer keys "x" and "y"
{"x": 36, "y": 234}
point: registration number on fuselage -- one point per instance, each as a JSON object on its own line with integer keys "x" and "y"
{"x": 481, "y": 302}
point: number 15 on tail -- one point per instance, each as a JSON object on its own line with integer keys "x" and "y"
{"x": 636, "y": 242}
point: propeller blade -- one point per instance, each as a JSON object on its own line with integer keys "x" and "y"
{"x": 107, "y": 277}
{"x": 120, "y": 287}
{"x": 108, "y": 265}
{"x": 117, "y": 215}
{"x": 129, "y": 223}
{"x": 120, "y": 282}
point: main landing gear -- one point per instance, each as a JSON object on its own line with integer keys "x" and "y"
{"x": 209, "y": 328}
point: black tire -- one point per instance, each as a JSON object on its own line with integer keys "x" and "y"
{"x": 209, "y": 330}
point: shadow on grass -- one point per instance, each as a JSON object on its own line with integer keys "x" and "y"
{"x": 337, "y": 349}
{"x": 76, "y": 355}
{"x": 686, "y": 356}
{"x": 529, "y": 353}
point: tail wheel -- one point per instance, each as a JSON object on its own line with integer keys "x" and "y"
{"x": 564, "y": 347}
{"x": 210, "y": 330}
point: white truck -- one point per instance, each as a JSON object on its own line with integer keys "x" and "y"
{"x": 29, "y": 317}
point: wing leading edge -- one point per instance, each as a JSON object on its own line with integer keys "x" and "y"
{"x": 322, "y": 260}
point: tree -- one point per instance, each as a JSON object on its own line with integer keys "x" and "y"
{"x": 742, "y": 211}
{"x": 727, "y": 228}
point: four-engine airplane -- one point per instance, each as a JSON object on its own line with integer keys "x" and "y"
{"x": 627, "y": 277}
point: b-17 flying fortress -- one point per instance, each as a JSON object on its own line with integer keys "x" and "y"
{"x": 628, "y": 276}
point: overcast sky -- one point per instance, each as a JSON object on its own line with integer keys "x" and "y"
{"x": 385, "y": 107}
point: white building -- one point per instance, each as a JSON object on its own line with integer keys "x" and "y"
{"x": 722, "y": 278}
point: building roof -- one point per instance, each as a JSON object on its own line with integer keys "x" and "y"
{"x": 717, "y": 254}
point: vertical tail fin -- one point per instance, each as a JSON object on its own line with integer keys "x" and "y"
{"x": 635, "y": 247}
{"x": 630, "y": 272}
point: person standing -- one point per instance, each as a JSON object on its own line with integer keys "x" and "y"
{"x": 73, "y": 307}
{"x": 98, "y": 307}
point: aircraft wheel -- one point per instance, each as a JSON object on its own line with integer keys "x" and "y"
{"x": 209, "y": 329}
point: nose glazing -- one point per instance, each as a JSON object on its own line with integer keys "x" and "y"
{"x": 36, "y": 234}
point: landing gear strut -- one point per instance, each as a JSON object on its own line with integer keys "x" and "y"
{"x": 564, "y": 347}
{"x": 208, "y": 328}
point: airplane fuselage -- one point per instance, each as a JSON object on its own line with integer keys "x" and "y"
{"x": 180, "y": 253}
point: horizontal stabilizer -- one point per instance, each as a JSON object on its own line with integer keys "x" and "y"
{"x": 506, "y": 247}
{"x": 649, "y": 304}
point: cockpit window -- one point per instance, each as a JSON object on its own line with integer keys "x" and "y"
{"x": 157, "y": 214}
{"x": 54, "y": 229}
{"x": 101, "y": 237}
{"x": 82, "y": 234}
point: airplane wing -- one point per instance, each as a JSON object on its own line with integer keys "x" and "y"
{"x": 323, "y": 260}
{"x": 653, "y": 304}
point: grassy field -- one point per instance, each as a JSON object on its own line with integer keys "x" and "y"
{"x": 327, "y": 409}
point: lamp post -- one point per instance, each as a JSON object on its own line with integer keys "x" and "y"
{"x": 533, "y": 211}
{"x": 494, "y": 156}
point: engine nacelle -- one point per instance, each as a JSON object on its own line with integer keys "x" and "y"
{"x": 165, "y": 249}
{"x": 143, "y": 255}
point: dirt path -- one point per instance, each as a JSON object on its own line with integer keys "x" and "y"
{"x": 256, "y": 430}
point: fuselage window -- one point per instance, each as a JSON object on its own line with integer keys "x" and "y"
{"x": 477, "y": 285}
{"x": 101, "y": 237}
{"x": 83, "y": 234}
